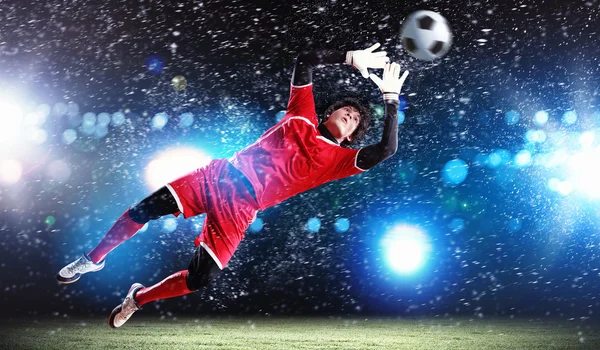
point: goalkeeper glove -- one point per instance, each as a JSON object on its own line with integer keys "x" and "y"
{"x": 390, "y": 85}
{"x": 363, "y": 59}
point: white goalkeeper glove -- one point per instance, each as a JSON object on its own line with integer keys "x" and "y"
{"x": 363, "y": 59}
{"x": 390, "y": 85}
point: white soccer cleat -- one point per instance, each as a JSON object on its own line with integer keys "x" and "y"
{"x": 123, "y": 312}
{"x": 72, "y": 272}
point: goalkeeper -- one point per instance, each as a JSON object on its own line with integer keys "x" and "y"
{"x": 297, "y": 154}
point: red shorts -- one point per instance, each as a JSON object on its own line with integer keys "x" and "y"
{"x": 217, "y": 190}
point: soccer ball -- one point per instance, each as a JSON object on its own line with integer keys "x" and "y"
{"x": 426, "y": 35}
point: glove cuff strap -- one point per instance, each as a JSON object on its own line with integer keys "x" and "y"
{"x": 349, "y": 58}
{"x": 391, "y": 96}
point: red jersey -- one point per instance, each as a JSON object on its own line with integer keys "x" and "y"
{"x": 292, "y": 156}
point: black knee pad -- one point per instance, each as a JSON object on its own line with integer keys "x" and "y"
{"x": 159, "y": 203}
{"x": 202, "y": 270}
{"x": 195, "y": 282}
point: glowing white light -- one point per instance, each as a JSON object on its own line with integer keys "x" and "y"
{"x": 540, "y": 118}
{"x": 586, "y": 139}
{"x": 36, "y": 135}
{"x": 534, "y": 136}
{"x": 406, "y": 249}
{"x": 523, "y": 158}
{"x": 11, "y": 120}
{"x": 584, "y": 172}
{"x": 564, "y": 188}
{"x": 557, "y": 158}
{"x": 10, "y": 171}
{"x": 553, "y": 184}
{"x": 172, "y": 164}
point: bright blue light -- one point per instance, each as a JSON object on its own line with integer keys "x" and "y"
{"x": 341, "y": 225}
{"x": 257, "y": 225}
{"x": 313, "y": 225}
{"x": 569, "y": 118}
{"x": 523, "y": 158}
{"x": 186, "y": 120}
{"x": 406, "y": 249}
{"x": 118, "y": 119}
{"x": 497, "y": 158}
{"x": 279, "y": 116}
{"x": 540, "y": 118}
{"x": 455, "y": 172}
{"x": 159, "y": 120}
{"x": 169, "y": 225}
{"x": 401, "y": 117}
{"x": 512, "y": 117}
{"x": 457, "y": 225}
{"x": 494, "y": 160}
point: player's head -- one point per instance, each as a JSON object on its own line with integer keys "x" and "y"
{"x": 347, "y": 119}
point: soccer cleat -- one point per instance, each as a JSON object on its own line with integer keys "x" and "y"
{"x": 123, "y": 312}
{"x": 72, "y": 272}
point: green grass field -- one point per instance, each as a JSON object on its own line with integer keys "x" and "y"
{"x": 299, "y": 333}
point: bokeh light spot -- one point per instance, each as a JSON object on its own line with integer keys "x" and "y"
{"x": 313, "y": 225}
{"x": 455, "y": 172}
{"x": 341, "y": 225}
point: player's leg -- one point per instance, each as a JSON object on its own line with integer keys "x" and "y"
{"x": 201, "y": 271}
{"x": 158, "y": 204}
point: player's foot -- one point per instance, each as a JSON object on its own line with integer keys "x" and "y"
{"x": 72, "y": 272}
{"x": 123, "y": 312}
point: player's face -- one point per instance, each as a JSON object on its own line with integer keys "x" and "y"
{"x": 344, "y": 122}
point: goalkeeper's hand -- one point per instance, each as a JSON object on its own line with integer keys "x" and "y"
{"x": 391, "y": 84}
{"x": 363, "y": 59}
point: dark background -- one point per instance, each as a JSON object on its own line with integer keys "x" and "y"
{"x": 237, "y": 57}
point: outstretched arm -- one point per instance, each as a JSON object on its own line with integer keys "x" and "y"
{"x": 361, "y": 59}
{"x": 391, "y": 85}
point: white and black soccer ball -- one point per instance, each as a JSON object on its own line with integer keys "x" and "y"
{"x": 426, "y": 35}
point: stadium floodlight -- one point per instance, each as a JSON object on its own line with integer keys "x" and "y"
{"x": 406, "y": 248}
{"x": 172, "y": 164}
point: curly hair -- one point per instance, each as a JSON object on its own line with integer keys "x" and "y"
{"x": 363, "y": 124}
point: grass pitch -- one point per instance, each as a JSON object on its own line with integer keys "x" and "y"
{"x": 299, "y": 333}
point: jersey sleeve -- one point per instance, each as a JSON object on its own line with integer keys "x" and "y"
{"x": 345, "y": 163}
{"x": 302, "y": 103}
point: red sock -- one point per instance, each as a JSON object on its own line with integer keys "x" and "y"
{"x": 172, "y": 286}
{"x": 121, "y": 231}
